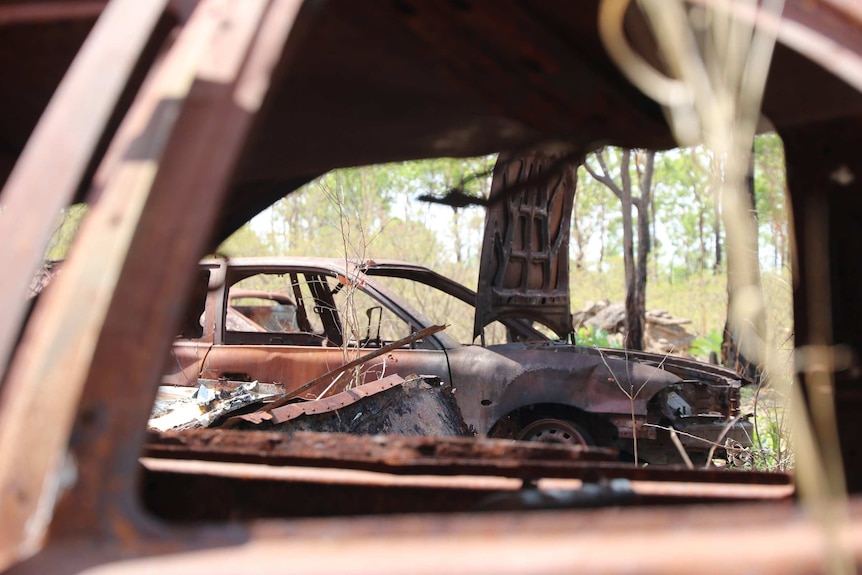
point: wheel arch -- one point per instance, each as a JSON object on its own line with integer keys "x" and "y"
{"x": 591, "y": 391}
{"x": 510, "y": 424}
{"x": 589, "y": 396}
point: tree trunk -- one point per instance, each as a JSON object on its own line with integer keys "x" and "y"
{"x": 716, "y": 226}
{"x": 743, "y": 271}
{"x": 652, "y": 238}
{"x": 626, "y": 201}
{"x": 637, "y": 311}
{"x": 635, "y": 273}
{"x": 456, "y": 234}
{"x": 602, "y": 238}
{"x": 634, "y": 324}
{"x": 578, "y": 237}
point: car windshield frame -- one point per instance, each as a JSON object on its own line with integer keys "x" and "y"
{"x": 238, "y": 269}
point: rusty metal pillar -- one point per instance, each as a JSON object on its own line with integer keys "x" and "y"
{"x": 101, "y": 335}
{"x": 57, "y": 155}
{"x": 824, "y": 175}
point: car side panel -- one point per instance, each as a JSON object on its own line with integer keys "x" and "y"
{"x": 293, "y": 366}
{"x": 184, "y": 362}
{"x": 492, "y": 382}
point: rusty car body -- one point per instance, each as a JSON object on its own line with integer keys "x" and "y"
{"x": 532, "y": 388}
{"x": 177, "y": 121}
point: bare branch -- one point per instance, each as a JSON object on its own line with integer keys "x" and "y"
{"x": 604, "y": 177}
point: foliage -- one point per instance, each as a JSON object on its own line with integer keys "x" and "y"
{"x": 770, "y": 193}
{"x": 377, "y": 204}
{"x": 243, "y": 242}
{"x": 705, "y": 346}
{"x": 381, "y": 199}
{"x": 596, "y": 223}
{"x": 772, "y": 449}
{"x": 686, "y": 206}
{"x": 594, "y": 337}
{"x": 68, "y": 223}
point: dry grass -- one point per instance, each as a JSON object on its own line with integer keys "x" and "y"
{"x": 700, "y": 298}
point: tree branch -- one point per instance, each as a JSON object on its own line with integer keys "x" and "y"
{"x": 604, "y": 177}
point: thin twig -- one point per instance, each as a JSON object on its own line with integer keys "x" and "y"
{"x": 682, "y": 452}
{"x": 669, "y": 429}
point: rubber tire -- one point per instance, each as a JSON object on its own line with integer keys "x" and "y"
{"x": 553, "y": 430}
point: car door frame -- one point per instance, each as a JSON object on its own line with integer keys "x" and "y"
{"x": 272, "y": 357}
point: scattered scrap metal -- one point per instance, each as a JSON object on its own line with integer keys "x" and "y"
{"x": 181, "y": 408}
{"x": 418, "y": 405}
{"x": 337, "y": 401}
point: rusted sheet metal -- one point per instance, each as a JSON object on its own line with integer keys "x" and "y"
{"x": 430, "y": 455}
{"x": 292, "y": 473}
{"x": 48, "y": 12}
{"x": 182, "y": 491}
{"x": 671, "y": 490}
{"x": 65, "y": 139}
{"x": 200, "y": 154}
{"x": 288, "y": 365}
{"x": 400, "y": 454}
{"x": 524, "y": 269}
{"x": 498, "y": 387}
{"x": 326, "y": 377}
{"x": 825, "y": 173}
{"x": 650, "y": 541}
{"x": 418, "y": 407}
{"x": 337, "y": 401}
{"x": 105, "y": 524}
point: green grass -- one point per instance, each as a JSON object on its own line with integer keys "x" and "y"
{"x": 594, "y": 337}
{"x": 772, "y": 449}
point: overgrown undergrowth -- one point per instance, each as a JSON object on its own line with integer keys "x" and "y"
{"x": 702, "y": 298}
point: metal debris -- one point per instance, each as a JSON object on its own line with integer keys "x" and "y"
{"x": 337, "y": 401}
{"x": 177, "y": 408}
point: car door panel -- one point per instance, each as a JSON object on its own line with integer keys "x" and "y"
{"x": 293, "y": 366}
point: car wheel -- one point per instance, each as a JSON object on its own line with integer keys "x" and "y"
{"x": 555, "y": 431}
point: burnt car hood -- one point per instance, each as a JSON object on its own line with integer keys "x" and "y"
{"x": 612, "y": 374}
{"x": 682, "y": 369}
{"x": 524, "y": 268}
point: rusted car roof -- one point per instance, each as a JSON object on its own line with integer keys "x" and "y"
{"x": 287, "y": 90}
{"x": 546, "y": 57}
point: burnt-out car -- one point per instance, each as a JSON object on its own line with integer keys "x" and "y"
{"x": 291, "y": 320}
